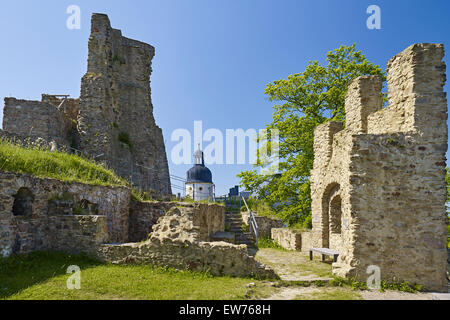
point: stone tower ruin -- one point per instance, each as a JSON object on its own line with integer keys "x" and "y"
{"x": 378, "y": 185}
{"x": 112, "y": 121}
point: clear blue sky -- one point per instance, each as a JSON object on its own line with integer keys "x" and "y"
{"x": 213, "y": 58}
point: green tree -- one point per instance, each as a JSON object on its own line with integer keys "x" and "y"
{"x": 305, "y": 100}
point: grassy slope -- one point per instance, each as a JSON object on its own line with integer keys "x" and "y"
{"x": 43, "y": 276}
{"x": 57, "y": 165}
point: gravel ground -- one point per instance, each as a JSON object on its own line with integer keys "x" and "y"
{"x": 295, "y": 266}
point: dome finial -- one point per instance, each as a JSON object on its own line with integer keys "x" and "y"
{"x": 198, "y": 156}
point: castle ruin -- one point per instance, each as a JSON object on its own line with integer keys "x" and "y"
{"x": 378, "y": 185}
{"x": 112, "y": 121}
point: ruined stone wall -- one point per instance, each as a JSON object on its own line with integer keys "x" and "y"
{"x": 42, "y": 119}
{"x": 25, "y": 141}
{"x": 217, "y": 258}
{"x": 190, "y": 222}
{"x": 330, "y": 179}
{"x": 116, "y": 112}
{"x": 69, "y": 109}
{"x": 399, "y": 214}
{"x": 287, "y": 238}
{"x": 37, "y": 214}
{"x": 265, "y": 224}
{"x": 206, "y": 218}
{"x": 72, "y": 234}
{"x": 294, "y": 239}
{"x": 181, "y": 240}
{"x": 113, "y": 121}
{"x": 143, "y": 215}
{"x": 363, "y": 98}
{"x": 45, "y": 214}
{"x": 383, "y": 187}
{"x": 33, "y": 118}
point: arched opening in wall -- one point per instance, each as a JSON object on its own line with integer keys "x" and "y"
{"x": 335, "y": 215}
{"x": 23, "y": 203}
{"x": 85, "y": 208}
{"x": 330, "y": 192}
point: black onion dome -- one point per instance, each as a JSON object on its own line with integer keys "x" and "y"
{"x": 199, "y": 174}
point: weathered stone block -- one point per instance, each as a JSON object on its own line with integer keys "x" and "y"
{"x": 288, "y": 238}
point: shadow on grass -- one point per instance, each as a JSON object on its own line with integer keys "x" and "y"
{"x": 20, "y": 272}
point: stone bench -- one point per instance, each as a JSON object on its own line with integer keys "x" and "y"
{"x": 324, "y": 252}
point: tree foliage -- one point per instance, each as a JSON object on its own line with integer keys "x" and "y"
{"x": 305, "y": 100}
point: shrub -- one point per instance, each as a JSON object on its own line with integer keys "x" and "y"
{"x": 269, "y": 243}
{"x": 260, "y": 207}
{"x": 125, "y": 138}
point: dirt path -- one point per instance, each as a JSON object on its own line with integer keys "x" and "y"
{"x": 295, "y": 266}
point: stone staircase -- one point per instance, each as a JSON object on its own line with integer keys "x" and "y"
{"x": 234, "y": 224}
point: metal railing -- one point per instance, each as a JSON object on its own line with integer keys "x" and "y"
{"x": 252, "y": 221}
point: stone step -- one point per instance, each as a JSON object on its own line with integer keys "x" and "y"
{"x": 247, "y": 234}
{"x": 237, "y": 237}
{"x": 234, "y": 224}
{"x": 244, "y": 240}
{"x": 233, "y": 217}
{"x": 248, "y": 242}
{"x": 235, "y": 221}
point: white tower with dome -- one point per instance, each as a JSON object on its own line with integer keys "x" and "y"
{"x": 199, "y": 184}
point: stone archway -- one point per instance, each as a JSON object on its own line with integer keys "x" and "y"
{"x": 335, "y": 222}
{"x": 332, "y": 191}
{"x": 23, "y": 203}
{"x": 335, "y": 214}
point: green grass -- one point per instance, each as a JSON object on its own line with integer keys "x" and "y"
{"x": 57, "y": 165}
{"x": 42, "y": 275}
{"x": 317, "y": 268}
{"x": 294, "y": 263}
{"x": 403, "y": 286}
{"x": 265, "y": 243}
